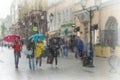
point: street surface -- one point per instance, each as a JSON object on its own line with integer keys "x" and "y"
{"x": 68, "y": 69}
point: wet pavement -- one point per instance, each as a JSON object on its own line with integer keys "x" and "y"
{"x": 68, "y": 69}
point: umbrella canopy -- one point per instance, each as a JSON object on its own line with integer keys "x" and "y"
{"x": 11, "y": 38}
{"x": 36, "y": 36}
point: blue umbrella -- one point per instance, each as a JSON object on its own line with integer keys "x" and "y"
{"x": 36, "y": 36}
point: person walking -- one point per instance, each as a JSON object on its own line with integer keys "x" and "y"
{"x": 75, "y": 43}
{"x": 20, "y": 48}
{"x": 66, "y": 47}
{"x": 31, "y": 48}
{"x": 55, "y": 51}
{"x": 38, "y": 53}
{"x": 80, "y": 47}
{"x": 17, "y": 47}
{"x": 61, "y": 46}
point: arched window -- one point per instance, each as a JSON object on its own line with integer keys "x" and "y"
{"x": 111, "y": 32}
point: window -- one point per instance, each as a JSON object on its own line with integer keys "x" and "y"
{"x": 62, "y": 16}
{"x": 59, "y": 17}
{"x": 70, "y": 14}
{"x": 65, "y": 16}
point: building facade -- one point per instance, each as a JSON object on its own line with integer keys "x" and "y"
{"x": 7, "y": 23}
{"x": 21, "y": 22}
{"x": 110, "y": 22}
{"x": 107, "y": 19}
{"x": 62, "y": 16}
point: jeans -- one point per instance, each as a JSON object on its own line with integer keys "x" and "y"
{"x": 62, "y": 50}
{"x": 76, "y": 52}
{"x": 81, "y": 53}
{"x": 16, "y": 57}
{"x": 31, "y": 63}
{"x": 66, "y": 52}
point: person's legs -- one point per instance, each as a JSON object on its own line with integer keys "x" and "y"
{"x": 56, "y": 62}
{"x": 15, "y": 59}
{"x": 52, "y": 59}
{"x": 37, "y": 61}
{"x": 40, "y": 59}
{"x": 81, "y": 53}
{"x": 62, "y": 51}
{"x": 33, "y": 64}
{"x": 67, "y": 52}
{"x": 20, "y": 54}
{"x": 30, "y": 62}
{"x": 76, "y": 52}
{"x": 58, "y": 53}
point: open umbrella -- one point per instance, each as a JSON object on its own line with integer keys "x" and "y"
{"x": 11, "y": 38}
{"x": 36, "y": 36}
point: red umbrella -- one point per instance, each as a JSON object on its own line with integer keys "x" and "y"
{"x": 11, "y": 38}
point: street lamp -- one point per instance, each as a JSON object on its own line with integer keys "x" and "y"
{"x": 51, "y": 17}
{"x": 83, "y": 3}
{"x": 90, "y": 10}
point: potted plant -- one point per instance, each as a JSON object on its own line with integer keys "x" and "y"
{"x": 117, "y": 50}
{"x": 98, "y": 50}
{"x": 106, "y": 51}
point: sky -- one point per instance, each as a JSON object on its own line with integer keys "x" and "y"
{"x": 5, "y": 8}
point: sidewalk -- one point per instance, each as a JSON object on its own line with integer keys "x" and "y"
{"x": 68, "y": 69}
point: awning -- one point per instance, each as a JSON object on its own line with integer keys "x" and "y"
{"x": 70, "y": 33}
{"x": 67, "y": 32}
{"x": 51, "y": 33}
{"x": 63, "y": 31}
{"x": 67, "y": 25}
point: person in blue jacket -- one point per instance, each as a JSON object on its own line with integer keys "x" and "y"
{"x": 80, "y": 47}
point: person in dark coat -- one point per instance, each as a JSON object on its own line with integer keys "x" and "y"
{"x": 55, "y": 51}
{"x": 71, "y": 40}
{"x": 31, "y": 46}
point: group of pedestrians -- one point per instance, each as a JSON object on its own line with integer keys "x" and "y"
{"x": 35, "y": 51}
{"x": 74, "y": 44}
{"x": 54, "y": 48}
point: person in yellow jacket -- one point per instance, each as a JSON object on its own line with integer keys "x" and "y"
{"x": 38, "y": 52}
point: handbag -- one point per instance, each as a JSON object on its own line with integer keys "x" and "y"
{"x": 49, "y": 59}
{"x": 44, "y": 53}
{"x": 28, "y": 52}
